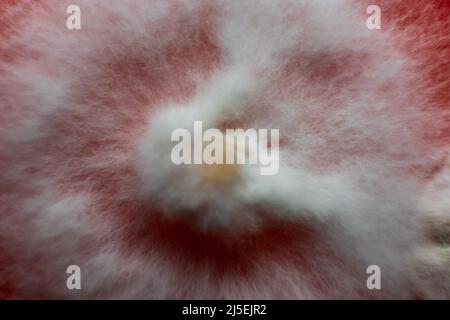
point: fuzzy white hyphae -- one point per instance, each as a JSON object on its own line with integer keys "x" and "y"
{"x": 86, "y": 179}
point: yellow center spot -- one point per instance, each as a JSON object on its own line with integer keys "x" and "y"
{"x": 225, "y": 173}
{"x": 220, "y": 173}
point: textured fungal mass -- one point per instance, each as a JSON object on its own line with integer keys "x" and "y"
{"x": 86, "y": 178}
